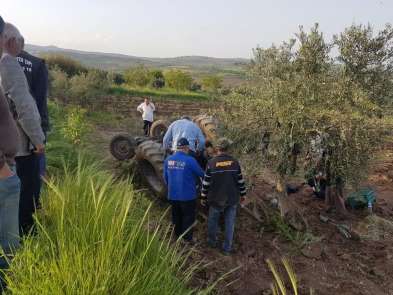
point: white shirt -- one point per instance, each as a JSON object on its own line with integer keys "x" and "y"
{"x": 147, "y": 111}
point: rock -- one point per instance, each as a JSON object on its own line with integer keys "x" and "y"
{"x": 313, "y": 251}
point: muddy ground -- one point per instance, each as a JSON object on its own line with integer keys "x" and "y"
{"x": 322, "y": 258}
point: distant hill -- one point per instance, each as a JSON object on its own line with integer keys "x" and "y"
{"x": 111, "y": 61}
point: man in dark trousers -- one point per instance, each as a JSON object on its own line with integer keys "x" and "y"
{"x": 36, "y": 74}
{"x": 224, "y": 187}
{"x": 181, "y": 172}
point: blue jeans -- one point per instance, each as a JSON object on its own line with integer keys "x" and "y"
{"x": 9, "y": 223}
{"x": 212, "y": 226}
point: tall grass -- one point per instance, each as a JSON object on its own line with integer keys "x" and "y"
{"x": 278, "y": 286}
{"x": 94, "y": 237}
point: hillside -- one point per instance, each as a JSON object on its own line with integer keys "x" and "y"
{"x": 111, "y": 61}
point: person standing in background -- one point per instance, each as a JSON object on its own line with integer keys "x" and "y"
{"x": 224, "y": 188}
{"x": 36, "y": 74}
{"x": 147, "y": 110}
{"x": 181, "y": 172}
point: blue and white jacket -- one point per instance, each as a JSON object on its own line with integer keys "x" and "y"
{"x": 181, "y": 172}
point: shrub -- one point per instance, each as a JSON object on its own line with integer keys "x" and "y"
{"x": 178, "y": 80}
{"x": 68, "y": 65}
{"x": 211, "y": 83}
{"x": 85, "y": 87}
{"x": 75, "y": 127}
{"x": 94, "y": 237}
{"x": 116, "y": 78}
{"x": 59, "y": 83}
{"x": 157, "y": 79}
{"x": 195, "y": 86}
{"x": 138, "y": 76}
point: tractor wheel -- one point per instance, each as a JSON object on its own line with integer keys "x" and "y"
{"x": 150, "y": 156}
{"x": 207, "y": 125}
{"x": 158, "y": 129}
{"x": 122, "y": 147}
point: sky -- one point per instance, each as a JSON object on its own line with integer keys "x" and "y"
{"x": 168, "y": 28}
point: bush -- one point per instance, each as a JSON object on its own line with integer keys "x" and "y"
{"x": 66, "y": 64}
{"x": 211, "y": 83}
{"x": 85, "y": 87}
{"x": 116, "y": 78}
{"x": 138, "y": 76}
{"x": 157, "y": 79}
{"x": 59, "y": 83}
{"x": 195, "y": 86}
{"x": 178, "y": 80}
{"x": 75, "y": 127}
{"x": 94, "y": 237}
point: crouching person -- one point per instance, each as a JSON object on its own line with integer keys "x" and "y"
{"x": 181, "y": 172}
{"x": 224, "y": 187}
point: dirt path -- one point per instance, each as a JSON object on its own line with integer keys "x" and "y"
{"x": 329, "y": 263}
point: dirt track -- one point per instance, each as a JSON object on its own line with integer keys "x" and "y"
{"x": 330, "y": 265}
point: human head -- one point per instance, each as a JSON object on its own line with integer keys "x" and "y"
{"x": 223, "y": 144}
{"x": 12, "y": 40}
{"x": 147, "y": 99}
{"x": 185, "y": 118}
{"x": 183, "y": 145}
{"x": 1, "y": 34}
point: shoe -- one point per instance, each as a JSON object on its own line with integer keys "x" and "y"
{"x": 225, "y": 253}
{"x": 212, "y": 245}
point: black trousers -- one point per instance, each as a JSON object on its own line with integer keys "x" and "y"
{"x": 183, "y": 217}
{"x": 27, "y": 168}
{"x": 146, "y": 127}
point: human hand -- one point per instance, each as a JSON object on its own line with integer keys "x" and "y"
{"x": 5, "y": 172}
{"x": 203, "y": 202}
{"x": 39, "y": 149}
{"x": 242, "y": 201}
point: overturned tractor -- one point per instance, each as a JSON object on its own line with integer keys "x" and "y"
{"x": 149, "y": 153}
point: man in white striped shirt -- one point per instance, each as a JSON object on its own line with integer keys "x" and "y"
{"x": 147, "y": 110}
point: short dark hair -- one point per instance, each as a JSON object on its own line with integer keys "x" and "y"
{"x": 1, "y": 25}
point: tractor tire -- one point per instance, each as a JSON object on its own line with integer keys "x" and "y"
{"x": 158, "y": 129}
{"x": 207, "y": 125}
{"x": 122, "y": 147}
{"x": 150, "y": 157}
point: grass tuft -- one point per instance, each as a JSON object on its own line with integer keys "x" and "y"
{"x": 94, "y": 236}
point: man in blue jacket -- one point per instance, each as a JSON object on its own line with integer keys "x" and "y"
{"x": 181, "y": 172}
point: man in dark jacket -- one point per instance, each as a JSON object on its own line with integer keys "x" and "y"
{"x": 223, "y": 185}
{"x": 36, "y": 74}
{"x": 181, "y": 172}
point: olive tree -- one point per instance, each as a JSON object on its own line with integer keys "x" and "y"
{"x": 297, "y": 91}
{"x": 368, "y": 60}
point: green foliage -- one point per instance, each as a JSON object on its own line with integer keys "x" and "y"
{"x": 298, "y": 93}
{"x": 158, "y": 93}
{"x": 178, "y": 80}
{"x": 86, "y": 87}
{"x": 75, "y": 127}
{"x": 137, "y": 76}
{"x": 157, "y": 79}
{"x": 59, "y": 83}
{"x": 66, "y": 64}
{"x": 94, "y": 236}
{"x": 116, "y": 78}
{"x": 368, "y": 60}
{"x": 211, "y": 83}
